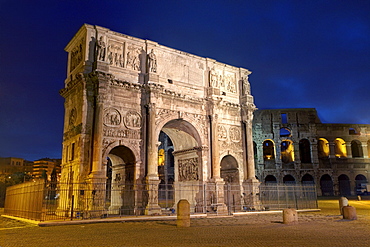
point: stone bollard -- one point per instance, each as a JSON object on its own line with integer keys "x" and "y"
{"x": 343, "y": 201}
{"x": 290, "y": 215}
{"x": 183, "y": 213}
{"x": 349, "y": 213}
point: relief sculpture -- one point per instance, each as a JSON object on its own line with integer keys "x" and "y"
{"x": 234, "y": 134}
{"x": 133, "y": 120}
{"x": 222, "y": 133}
{"x": 112, "y": 117}
{"x": 133, "y": 58}
{"x": 115, "y": 55}
{"x": 188, "y": 169}
{"x": 76, "y": 56}
{"x": 223, "y": 81}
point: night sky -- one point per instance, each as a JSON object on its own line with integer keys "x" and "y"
{"x": 313, "y": 54}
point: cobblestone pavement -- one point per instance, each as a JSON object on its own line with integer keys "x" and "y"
{"x": 325, "y": 228}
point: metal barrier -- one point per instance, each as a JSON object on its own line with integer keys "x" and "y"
{"x": 43, "y": 201}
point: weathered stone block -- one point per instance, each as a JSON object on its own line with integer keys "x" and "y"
{"x": 290, "y": 216}
{"x": 349, "y": 213}
{"x": 183, "y": 213}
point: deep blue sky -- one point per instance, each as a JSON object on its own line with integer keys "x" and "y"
{"x": 312, "y": 54}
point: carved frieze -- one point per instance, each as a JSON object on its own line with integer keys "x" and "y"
{"x": 76, "y": 55}
{"x": 72, "y": 117}
{"x": 188, "y": 169}
{"x": 72, "y": 132}
{"x": 133, "y": 60}
{"x": 115, "y": 54}
{"x": 224, "y": 81}
{"x": 120, "y": 133}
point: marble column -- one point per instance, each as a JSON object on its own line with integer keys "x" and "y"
{"x": 216, "y": 180}
{"x": 152, "y": 208}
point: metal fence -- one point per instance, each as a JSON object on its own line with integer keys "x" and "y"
{"x": 43, "y": 201}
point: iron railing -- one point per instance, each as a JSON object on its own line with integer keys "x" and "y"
{"x": 44, "y": 201}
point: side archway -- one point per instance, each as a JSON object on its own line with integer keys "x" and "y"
{"x": 344, "y": 185}
{"x": 326, "y": 184}
{"x": 121, "y": 179}
{"x": 230, "y": 174}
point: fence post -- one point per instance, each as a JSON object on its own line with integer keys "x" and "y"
{"x": 72, "y": 206}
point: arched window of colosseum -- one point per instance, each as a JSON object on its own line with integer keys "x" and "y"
{"x": 268, "y": 150}
{"x": 352, "y": 131}
{"x": 326, "y": 184}
{"x": 285, "y": 132}
{"x": 287, "y": 151}
{"x": 361, "y": 183}
{"x": 340, "y": 148}
{"x": 288, "y": 179}
{"x": 305, "y": 151}
{"x": 307, "y": 179}
{"x": 356, "y": 148}
{"x": 270, "y": 179}
{"x": 323, "y": 148}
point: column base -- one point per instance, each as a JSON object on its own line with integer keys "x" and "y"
{"x": 218, "y": 204}
{"x": 252, "y": 195}
{"x": 152, "y": 208}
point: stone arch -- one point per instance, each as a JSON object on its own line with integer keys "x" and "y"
{"x": 270, "y": 179}
{"x": 166, "y": 171}
{"x": 122, "y": 162}
{"x": 285, "y": 132}
{"x": 230, "y": 169}
{"x": 344, "y": 185}
{"x": 360, "y": 184}
{"x": 323, "y": 148}
{"x": 186, "y": 124}
{"x": 231, "y": 176}
{"x": 289, "y": 179}
{"x": 307, "y": 179}
{"x": 187, "y": 161}
{"x": 287, "y": 151}
{"x": 340, "y": 148}
{"x": 109, "y": 146}
{"x": 305, "y": 151}
{"x": 356, "y": 148}
{"x": 326, "y": 184}
{"x": 268, "y": 150}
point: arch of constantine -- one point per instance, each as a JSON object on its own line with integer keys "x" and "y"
{"x": 140, "y": 117}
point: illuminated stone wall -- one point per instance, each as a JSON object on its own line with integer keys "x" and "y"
{"x": 333, "y": 156}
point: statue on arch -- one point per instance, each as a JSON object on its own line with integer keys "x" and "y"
{"x": 152, "y": 62}
{"x": 100, "y": 47}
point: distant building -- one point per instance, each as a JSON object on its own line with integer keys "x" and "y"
{"x": 10, "y": 165}
{"x": 46, "y": 168}
{"x": 293, "y": 146}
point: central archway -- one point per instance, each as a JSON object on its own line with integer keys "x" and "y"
{"x": 179, "y": 163}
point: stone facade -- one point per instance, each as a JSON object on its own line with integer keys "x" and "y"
{"x": 293, "y": 146}
{"x": 122, "y": 93}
